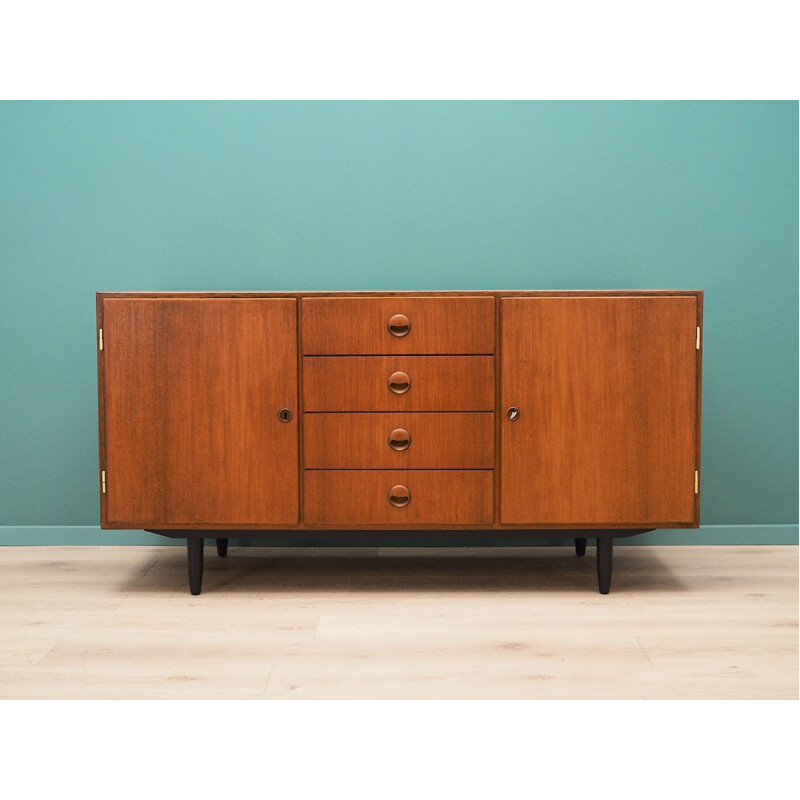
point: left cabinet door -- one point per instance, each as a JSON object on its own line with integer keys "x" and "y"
{"x": 192, "y": 390}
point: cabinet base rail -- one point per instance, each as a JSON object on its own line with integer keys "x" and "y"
{"x": 604, "y": 540}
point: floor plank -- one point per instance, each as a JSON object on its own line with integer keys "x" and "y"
{"x": 525, "y": 623}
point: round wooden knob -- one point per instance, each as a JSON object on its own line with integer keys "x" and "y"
{"x": 399, "y": 439}
{"x": 399, "y": 325}
{"x": 399, "y": 496}
{"x": 399, "y": 382}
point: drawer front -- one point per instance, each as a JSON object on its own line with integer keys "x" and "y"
{"x": 398, "y": 383}
{"x": 377, "y": 325}
{"x": 398, "y": 497}
{"x": 399, "y": 441}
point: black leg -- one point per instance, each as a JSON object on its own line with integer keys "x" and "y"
{"x": 195, "y": 551}
{"x": 580, "y": 547}
{"x": 222, "y": 547}
{"x": 605, "y": 548}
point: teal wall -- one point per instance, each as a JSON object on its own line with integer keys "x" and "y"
{"x": 392, "y": 195}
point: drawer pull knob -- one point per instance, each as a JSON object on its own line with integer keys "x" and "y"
{"x": 399, "y": 439}
{"x": 399, "y": 382}
{"x": 399, "y": 325}
{"x": 399, "y": 496}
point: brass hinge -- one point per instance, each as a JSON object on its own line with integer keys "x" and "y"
{"x": 100, "y": 338}
{"x": 696, "y": 346}
{"x": 103, "y": 480}
{"x": 696, "y": 482}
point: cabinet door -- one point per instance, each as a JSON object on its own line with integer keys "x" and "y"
{"x": 605, "y": 389}
{"x": 192, "y": 392}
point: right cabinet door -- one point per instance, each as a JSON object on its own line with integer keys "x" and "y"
{"x": 605, "y": 390}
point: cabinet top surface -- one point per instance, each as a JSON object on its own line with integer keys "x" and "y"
{"x": 422, "y": 293}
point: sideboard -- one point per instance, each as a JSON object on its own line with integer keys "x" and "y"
{"x": 568, "y": 413}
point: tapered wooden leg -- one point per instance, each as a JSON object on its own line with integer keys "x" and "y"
{"x": 195, "y": 552}
{"x": 580, "y": 547}
{"x": 222, "y": 547}
{"x": 605, "y": 548}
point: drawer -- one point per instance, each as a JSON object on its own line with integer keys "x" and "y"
{"x": 410, "y": 440}
{"x": 398, "y": 383}
{"x": 398, "y": 497}
{"x": 378, "y": 325}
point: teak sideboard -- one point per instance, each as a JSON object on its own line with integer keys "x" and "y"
{"x": 572, "y": 413}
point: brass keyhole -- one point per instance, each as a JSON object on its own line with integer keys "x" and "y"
{"x": 513, "y": 414}
{"x": 285, "y": 414}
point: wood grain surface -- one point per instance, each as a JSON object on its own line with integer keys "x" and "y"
{"x": 603, "y": 380}
{"x": 605, "y": 389}
{"x": 361, "y": 496}
{"x": 438, "y": 441}
{"x": 359, "y": 325}
{"x": 361, "y": 383}
{"x": 193, "y": 388}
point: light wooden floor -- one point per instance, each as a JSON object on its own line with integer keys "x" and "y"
{"x": 118, "y": 622}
